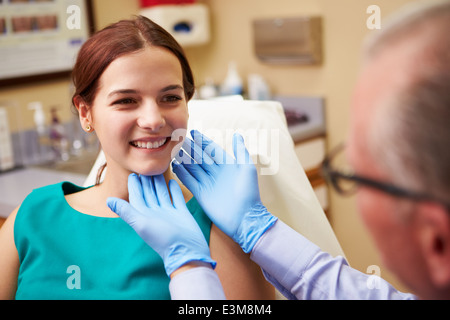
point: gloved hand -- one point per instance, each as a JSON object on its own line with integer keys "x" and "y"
{"x": 170, "y": 229}
{"x": 225, "y": 187}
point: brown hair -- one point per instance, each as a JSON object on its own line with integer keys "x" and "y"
{"x": 118, "y": 39}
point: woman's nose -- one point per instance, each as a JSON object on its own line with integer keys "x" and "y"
{"x": 151, "y": 118}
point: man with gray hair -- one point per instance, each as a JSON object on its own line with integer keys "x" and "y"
{"x": 397, "y": 162}
{"x": 400, "y": 134}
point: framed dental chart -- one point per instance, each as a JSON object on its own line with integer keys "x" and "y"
{"x": 39, "y": 39}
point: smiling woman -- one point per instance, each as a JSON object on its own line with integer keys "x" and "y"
{"x": 132, "y": 85}
{"x": 143, "y": 108}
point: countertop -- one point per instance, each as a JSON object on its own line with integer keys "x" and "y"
{"x": 15, "y": 185}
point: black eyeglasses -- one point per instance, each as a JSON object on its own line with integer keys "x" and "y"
{"x": 346, "y": 183}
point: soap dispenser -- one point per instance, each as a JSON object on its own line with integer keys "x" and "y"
{"x": 232, "y": 84}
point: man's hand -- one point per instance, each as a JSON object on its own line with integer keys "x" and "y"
{"x": 168, "y": 227}
{"x": 226, "y": 188}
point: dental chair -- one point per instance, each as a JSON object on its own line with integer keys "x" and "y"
{"x": 284, "y": 187}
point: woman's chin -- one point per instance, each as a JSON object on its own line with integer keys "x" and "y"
{"x": 153, "y": 171}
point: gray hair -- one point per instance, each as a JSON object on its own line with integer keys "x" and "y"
{"x": 412, "y": 133}
{"x": 412, "y": 17}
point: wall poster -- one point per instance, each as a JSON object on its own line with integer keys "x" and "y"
{"x": 39, "y": 39}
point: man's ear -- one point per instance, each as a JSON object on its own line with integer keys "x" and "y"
{"x": 435, "y": 242}
{"x": 84, "y": 112}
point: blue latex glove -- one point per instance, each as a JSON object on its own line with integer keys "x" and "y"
{"x": 170, "y": 229}
{"x": 226, "y": 188}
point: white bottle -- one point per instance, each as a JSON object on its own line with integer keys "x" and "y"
{"x": 208, "y": 90}
{"x": 39, "y": 117}
{"x": 257, "y": 88}
{"x": 232, "y": 84}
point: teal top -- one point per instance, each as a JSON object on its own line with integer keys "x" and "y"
{"x": 65, "y": 254}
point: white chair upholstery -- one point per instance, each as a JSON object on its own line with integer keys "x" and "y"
{"x": 284, "y": 186}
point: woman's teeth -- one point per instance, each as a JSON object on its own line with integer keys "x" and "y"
{"x": 148, "y": 144}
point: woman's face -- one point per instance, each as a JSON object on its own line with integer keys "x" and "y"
{"x": 139, "y": 104}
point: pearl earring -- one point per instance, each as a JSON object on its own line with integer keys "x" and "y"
{"x": 88, "y": 128}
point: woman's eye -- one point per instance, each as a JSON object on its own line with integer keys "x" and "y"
{"x": 172, "y": 98}
{"x": 125, "y": 101}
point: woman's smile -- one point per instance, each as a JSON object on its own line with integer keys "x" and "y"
{"x": 153, "y": 144}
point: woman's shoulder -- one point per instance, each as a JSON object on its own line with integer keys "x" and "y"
{"x": 53, "y": 190}
{"x": 9, "y": 264}
{"x": 40, "y": 196}
{"x": 40, "y": 202}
